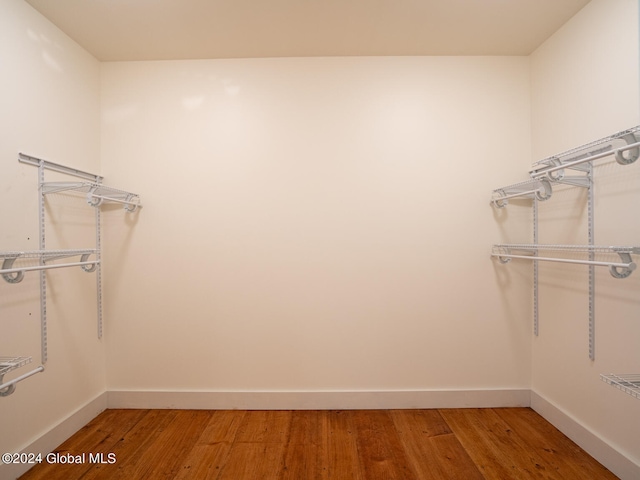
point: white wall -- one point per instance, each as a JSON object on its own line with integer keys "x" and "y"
{"x": 314, "y": 224}
{"x": 585, "y": 86}
{"x": 318, "y": 224}
{"x": 49, "y": 91}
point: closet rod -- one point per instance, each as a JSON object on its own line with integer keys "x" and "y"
{"x": 111, "y": 199}
{"x": 56, "y": 167}
{"x": 7, "y": 388}
{"x": 519, "y": 194}
{"x": 617, "y": 151}
{"x": 47, "y": 267}
{"x": 630, "y": 266}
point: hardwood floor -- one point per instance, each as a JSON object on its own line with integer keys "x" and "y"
{"x": 468, "y": 444}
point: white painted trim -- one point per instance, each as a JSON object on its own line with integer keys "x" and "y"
{"x": 590, "y": 442}
{"x": 50, "y": 440}
{"x": 319, "y": 400}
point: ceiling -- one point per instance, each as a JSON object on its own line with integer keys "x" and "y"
{"x": 122, "y": 30}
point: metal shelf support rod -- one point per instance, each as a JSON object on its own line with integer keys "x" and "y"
{"x": 536, "y": 315}
{"x": 8, "y": 387}
{"x": 519, "y": 194}
{"x": 513, "y": 195}
{"x": 630, "y": 266}
{"x": 47, "y": 267}
{"x": 111, "y": 199}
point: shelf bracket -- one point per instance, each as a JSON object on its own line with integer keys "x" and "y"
{"x": 129, "y": 205}
{"x": 15, "y": 277}
{"x": 8, "y": 390}
{"x": 632, "y": 154}
{"x": 545, "y": 192}
{"x": 504, "y": 260}
{"x": 5, "y": 392}
{"x": 93, "y": 199}
{"x": 556, "y": 175}
{"x": 87, "y": 267}
{"x": 623, "y": 272}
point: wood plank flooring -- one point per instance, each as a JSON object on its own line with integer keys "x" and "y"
{"x": 466, "y": 444}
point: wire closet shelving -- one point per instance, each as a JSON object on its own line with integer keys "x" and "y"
{"x": 16, "y": 263}
{"x": 628, "y": 383}
{"x": 14, "y": 274}
{"x": 8, "y": 364}
{"x": 545, "y": 175}
{"x": 96, "y": 194}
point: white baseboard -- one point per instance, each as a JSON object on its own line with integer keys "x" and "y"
{"x": 319, "y": 400}
{"x": 58, "y": 434}
{"x": 595, "y": 446}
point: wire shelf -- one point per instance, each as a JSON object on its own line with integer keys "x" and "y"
{"x": 47, "y": 255}
{"x": 625, "y": 145}
{"x": 8, "y": 364}
{"x": 628, "y": 383}
{"x": 96, "y": 193}
{"x": 38, "y": 260}
{"x": 518, "y": 187}
{"x": 540, "y": 189}
{"x": 604, "y": 144}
